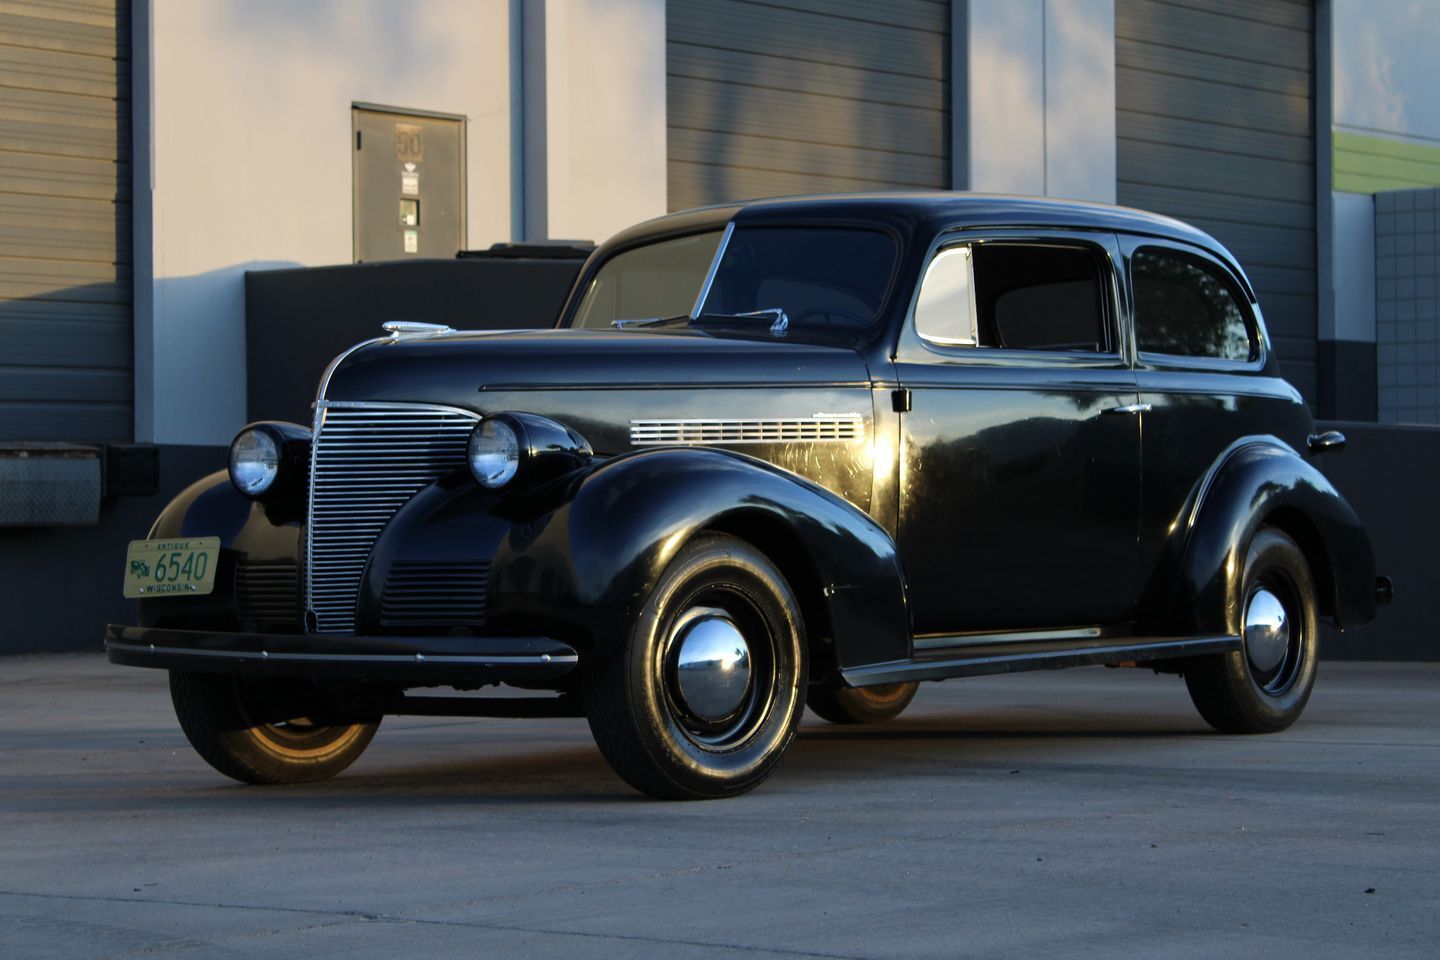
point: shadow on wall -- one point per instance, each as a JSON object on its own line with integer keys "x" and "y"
{"x": 759, "y": 122}
{"x": 197, "y": 347}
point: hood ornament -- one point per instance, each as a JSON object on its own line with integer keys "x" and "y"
{"x": 413, "y": 328}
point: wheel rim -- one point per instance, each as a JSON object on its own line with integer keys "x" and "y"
{"x": 718, "y": 669}
{"x": 1274, "y": 633}
{"x": 276, "y": 714}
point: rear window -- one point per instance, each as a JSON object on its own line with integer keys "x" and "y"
{"x": 1185, "y": 307}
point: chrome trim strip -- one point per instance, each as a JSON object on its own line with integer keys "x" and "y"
{"x": 986, "y": 639}
{"x": 424, "y": 658}
{"x": 714, "y": 268}
{"x": 340, "y": 358}
{"x": 820, "y": 428}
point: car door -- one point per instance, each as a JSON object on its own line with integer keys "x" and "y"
{"x": 1019, "y": 481}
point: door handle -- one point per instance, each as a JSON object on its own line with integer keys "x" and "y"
{"x": 1131, "y": 408}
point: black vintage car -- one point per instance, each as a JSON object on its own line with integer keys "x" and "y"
{"x": 790, "y": 452}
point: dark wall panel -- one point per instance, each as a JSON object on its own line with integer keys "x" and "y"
{"x": 778, "y": 97}
{"x": 1215, "y": 124}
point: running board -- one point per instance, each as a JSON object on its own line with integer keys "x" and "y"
{"x": 1010, "y": 657}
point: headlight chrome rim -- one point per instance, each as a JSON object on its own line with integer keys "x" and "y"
{"x": 493, "y": 453}
{"x": 255, "y": 456}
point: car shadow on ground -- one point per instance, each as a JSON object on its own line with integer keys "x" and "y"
{"x": 821, "y": 756}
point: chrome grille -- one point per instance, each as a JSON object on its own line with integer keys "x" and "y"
{"x": 366, "y": 463}
{"x": 821, "y": 428}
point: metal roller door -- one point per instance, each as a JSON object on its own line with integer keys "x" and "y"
{"x": 1215, "y": 124}
{"x": 806, "y": 96}
{"x": 65, "y": 283}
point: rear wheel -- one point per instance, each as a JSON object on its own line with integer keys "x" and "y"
{"x": 861, "y": 704}
{"x": 266, "y": 731}
{"x": 704, "y": 696}
{"x": 1264, "y": 686}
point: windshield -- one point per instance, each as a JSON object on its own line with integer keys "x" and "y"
{"x": 825, "y": 278}
{"x": 658, "y": 280}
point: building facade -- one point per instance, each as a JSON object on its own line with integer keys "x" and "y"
{"x": 155, "y": 150}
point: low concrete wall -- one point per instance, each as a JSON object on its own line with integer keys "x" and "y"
{"x": 59, "y": 586}
{"x": 1390, "y": 475}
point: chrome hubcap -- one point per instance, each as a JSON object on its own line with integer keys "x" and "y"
{"x": 1267, "y": 631}
{"x": 712, "y": 667}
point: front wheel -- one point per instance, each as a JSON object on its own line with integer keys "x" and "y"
{"x": 704, "y": 695}
{"x": 266, "y": 731}
{"x": 1264, "y": 686}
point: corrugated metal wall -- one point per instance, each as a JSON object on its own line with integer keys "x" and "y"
{"x": 806, "y": 96}
{"x": 65, "y": 283}
{"x": 1215, "y": 124}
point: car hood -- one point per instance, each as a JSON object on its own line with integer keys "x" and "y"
{"x": 456, "y": 368}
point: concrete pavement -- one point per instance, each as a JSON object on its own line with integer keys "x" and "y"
{"x": 1086, "y": 813}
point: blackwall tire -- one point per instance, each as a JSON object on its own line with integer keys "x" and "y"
{"x": 861, "y": 704}
{"x": 1264, "y": 686}
{"x": 676, "y": 712}
{"x": 265, "y": 731}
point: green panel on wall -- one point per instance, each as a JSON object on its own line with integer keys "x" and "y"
{"x": 1365, "y": 164}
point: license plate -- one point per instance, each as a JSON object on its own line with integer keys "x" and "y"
{"x": 165, "y": 568}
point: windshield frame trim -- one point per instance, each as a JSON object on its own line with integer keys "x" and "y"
{"x": 714, "y": 269}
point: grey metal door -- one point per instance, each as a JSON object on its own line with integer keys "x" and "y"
{"x": 794, "y": 96}
{"x": 409, "y": 185}
{"x": 66, "y": 336}
{"x": 1215, "y": 124}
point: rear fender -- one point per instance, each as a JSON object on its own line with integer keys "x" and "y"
{"x": 1263, "y": 481}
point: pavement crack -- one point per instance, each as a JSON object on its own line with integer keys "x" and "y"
{"x": 365, "y": 916}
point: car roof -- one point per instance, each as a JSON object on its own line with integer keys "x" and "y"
{"x": 929, "y": 212}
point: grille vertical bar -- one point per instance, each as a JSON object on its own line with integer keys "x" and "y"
{"x": 366, "y": 462}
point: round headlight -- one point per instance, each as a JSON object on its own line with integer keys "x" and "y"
{"x": 494, "y": 451}
{"x": 254, "y": 461}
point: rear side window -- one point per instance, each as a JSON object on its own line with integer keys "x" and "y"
{"x": 1184, "y": 307}
{"x": 1015, "y": 296}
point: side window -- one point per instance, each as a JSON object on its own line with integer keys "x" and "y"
{"x": 1185, "y": 308}
{"x": 945, "y": 311}
{"x": 1015, "y": 296}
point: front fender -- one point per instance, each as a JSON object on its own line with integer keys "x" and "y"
{"x": 247, "y": 529}
{"x": 1263, "y": 481}
{"x": 580, "y": 556}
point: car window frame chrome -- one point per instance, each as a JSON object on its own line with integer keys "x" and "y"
{"x": 911, "y": 347}
{"x": 714, "y": 269}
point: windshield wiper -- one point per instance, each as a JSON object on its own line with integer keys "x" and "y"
{"x": 779, "y": 319}
{"x": 627, "y": 324}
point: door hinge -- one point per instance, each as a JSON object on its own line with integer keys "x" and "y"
{"x": 900, "y": 400}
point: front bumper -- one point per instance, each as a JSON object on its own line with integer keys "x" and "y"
{"x": 402, "y": 660}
